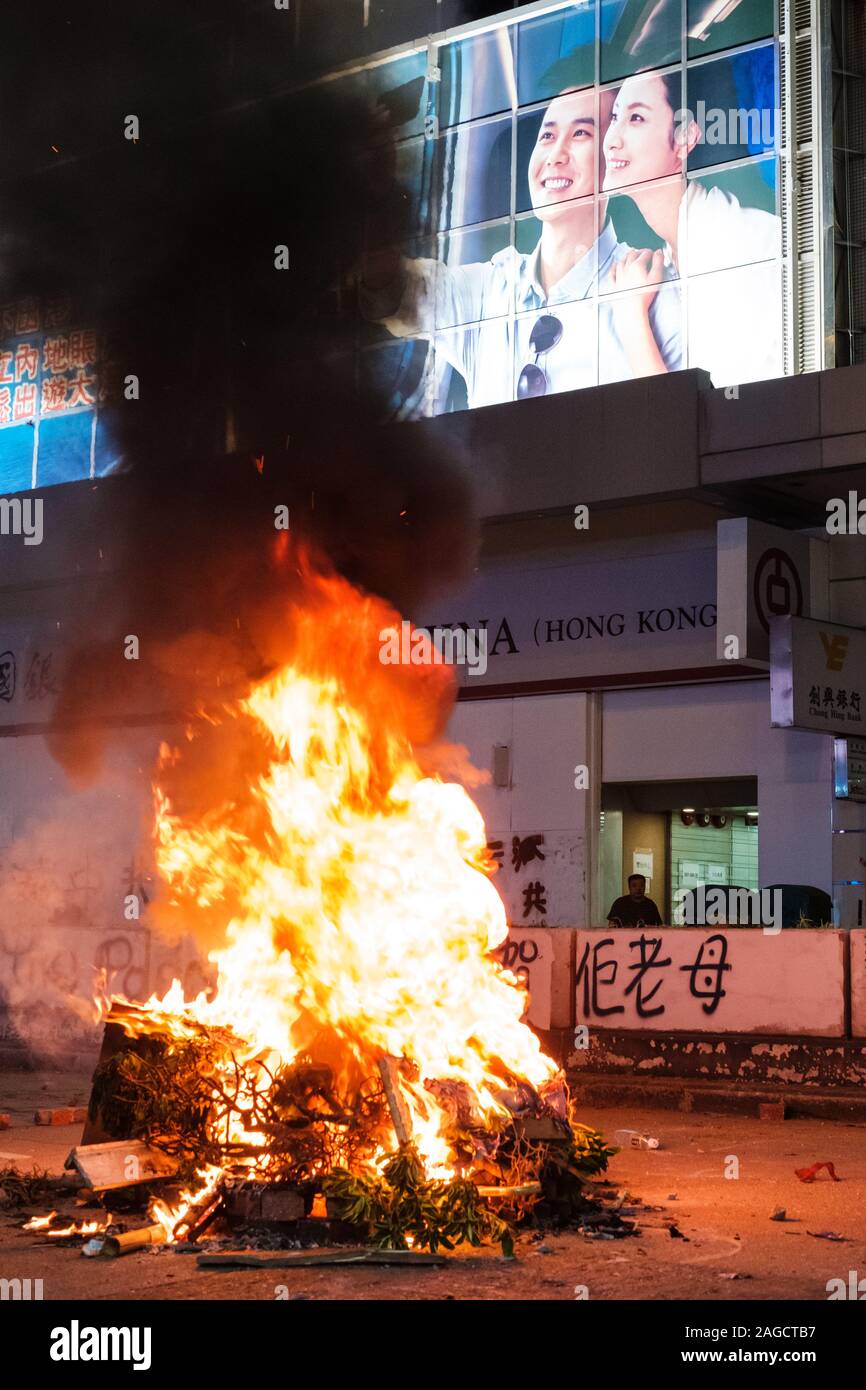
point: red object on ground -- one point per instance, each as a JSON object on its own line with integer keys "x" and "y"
{"x": 71, "y": 1115}
{"x": 5, "y": 1121}
{"x": 809, "y": 1174}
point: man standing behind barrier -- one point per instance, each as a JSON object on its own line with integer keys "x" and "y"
{"x": 635, "y": 909}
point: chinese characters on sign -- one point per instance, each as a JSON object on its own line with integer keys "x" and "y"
{"x": 51, "y": 368}
{"x": 31, "y": 679}
{"x": 49, "y": 395}
{"x": 817, "y": 676}
{"x": 824, "y": 700}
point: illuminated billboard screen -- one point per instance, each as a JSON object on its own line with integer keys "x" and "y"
{"x": 594, "y": 196}
{"x": 51, "y": 424}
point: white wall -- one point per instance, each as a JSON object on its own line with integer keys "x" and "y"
{"x": 548, "y": 737}
{"x": 658, "y": 734}
{"x": 724, "y": 730}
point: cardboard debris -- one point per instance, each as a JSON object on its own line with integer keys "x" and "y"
{"x": 123, "y": 1163}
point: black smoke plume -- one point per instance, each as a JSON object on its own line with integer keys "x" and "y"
{"x": 249, "y": 397}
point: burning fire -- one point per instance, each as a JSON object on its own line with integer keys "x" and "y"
{"x": 72, "y": 1228}
{"x": 350, "y": 882}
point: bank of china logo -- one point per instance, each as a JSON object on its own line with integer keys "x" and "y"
{"x": 835, "y": 650}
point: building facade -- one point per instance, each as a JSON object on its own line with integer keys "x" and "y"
{"x": 640, "y": 531}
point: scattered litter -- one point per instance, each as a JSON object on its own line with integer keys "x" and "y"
{"x": 771, "y": 1110}
{"x": 123, "y": 1244}
{"x": 633, "y": 1139}
{"x": 672, "y": 1197}
{"x": 826, "y": 1235}
{"x": 736, "y": 1275}
{"x": 779, "y": 1214}
{"x": 675, "y": 1231}
{"x": 809, "y": 1174}
{"x": 546, "y": 1250}
{"x": 69, "y": 1115}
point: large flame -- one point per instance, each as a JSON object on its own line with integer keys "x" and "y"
{"x": 352, "y": 883}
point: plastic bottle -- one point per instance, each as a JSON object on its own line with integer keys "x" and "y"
{"x": 633, "y": 1139}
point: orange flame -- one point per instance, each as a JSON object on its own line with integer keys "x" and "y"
{"x": 73, "y": 1228}
{"x": 351, "y": 882}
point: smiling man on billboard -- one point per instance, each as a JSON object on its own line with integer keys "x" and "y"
{"x": 531, "y": 318}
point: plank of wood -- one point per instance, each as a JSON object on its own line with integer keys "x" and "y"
{"x": 526, "y": 1189}
{"x": 401, "y": 1116}
{"x": 291, "y": 1259}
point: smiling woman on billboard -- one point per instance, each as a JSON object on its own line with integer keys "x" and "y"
{"x": 532, "y": 324}
{"x": 734, "y": 329}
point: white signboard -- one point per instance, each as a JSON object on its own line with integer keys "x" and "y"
{"x": 817, "y": 676}
{"x": 642, "y": 863}
{"x": 762, "y": 572}
{"x": 691, "y": 875}
{"x": 34, "y": 652}
{"x": 589, "y": 618}
{"x": 695, "y": 980}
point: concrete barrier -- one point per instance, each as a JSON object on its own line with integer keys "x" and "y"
{"x": 699, "y": 980}
{"x": 544, "y": 959}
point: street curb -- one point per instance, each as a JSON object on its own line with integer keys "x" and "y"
{"x": 721, "y": 1098}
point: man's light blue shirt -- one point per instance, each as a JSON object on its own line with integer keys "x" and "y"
{"x": 480, "y": 318}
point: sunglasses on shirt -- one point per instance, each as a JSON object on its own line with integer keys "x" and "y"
{"x": 533, "y": 380}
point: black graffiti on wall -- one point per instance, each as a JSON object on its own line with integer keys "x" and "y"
{"x": 7, "y": 676}
{"x": 597, "y": 974}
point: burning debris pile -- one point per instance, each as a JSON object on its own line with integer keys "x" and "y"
{"x": 363, "y": 1054}
{"x": 275, "y": 1145}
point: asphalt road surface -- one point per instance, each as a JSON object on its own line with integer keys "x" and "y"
{"x": 725, "y": 1222}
